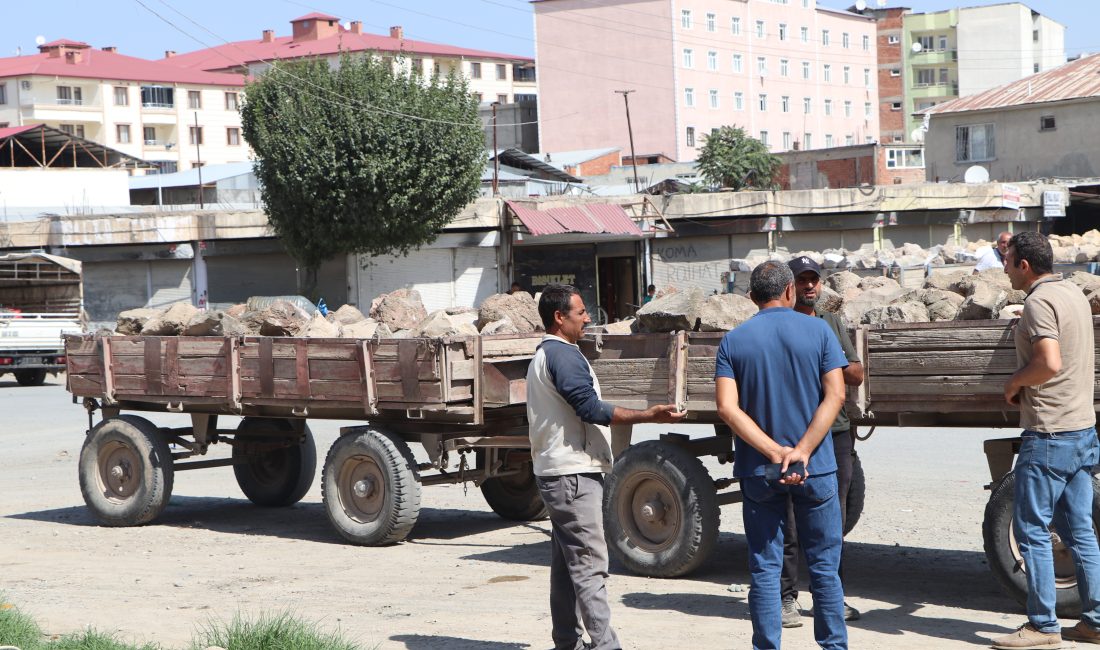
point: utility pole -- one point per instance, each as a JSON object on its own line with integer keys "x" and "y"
{"x": 496, "y": 153}
{"x": 630, "y": 131}
{"x": 198, "y": 157}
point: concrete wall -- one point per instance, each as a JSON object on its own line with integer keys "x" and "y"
{"x": 517, "y": 126}
{"x": 891, "y": 76}
{"x": 997, "y": 46}
{"x": 1022, "y": 151}
{"x": 76, "y": 190}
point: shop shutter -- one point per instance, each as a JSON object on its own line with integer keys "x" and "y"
{"x": 430, "y": 271}
{"x": 232, "y": 279}
{"x": 111, "y": 287}
{"x": 687, "y": 262}
{"x": 475, "y": 274}
{"x": 170, "y": 281}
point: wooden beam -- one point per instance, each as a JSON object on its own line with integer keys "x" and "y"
{"x": 59, "y": 152}
{"x": 89, "y": 153}
{"x": 28, "y": 151}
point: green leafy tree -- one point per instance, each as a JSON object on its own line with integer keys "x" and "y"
{"x": 732, "y": 159}
{"x": 361, "y": 158}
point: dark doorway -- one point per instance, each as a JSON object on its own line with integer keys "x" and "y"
{"x": 618, "y": 287}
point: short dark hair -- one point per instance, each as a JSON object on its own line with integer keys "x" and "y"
{"x": 1034, "y": 248}
{"x": 769, "y": 280}
{"x": 555, "y": 298}
{"x": 651, "y": 287}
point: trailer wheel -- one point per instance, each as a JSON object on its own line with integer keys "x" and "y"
{"x": 33, "y": 377}
{"x": 126, "y": 471}
{"x": 857, "y": 496}
{"x": 273, "y": 477}
{"x": 515, "y": 496}
{"x": 1004, "y": 556}
{"x": 371, "y": 487}
{"x": 660, "y": 510}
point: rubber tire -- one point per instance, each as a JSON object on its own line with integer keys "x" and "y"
{"x": 289, "y": 471}
{"x": 698, "y": 502}
{"x": 1011, "y": 575}
{"x": 401, "y": 503}
{"x": 155, "y": 468}
{"x": 33, "y": 377}
{"x": 515, "y": 497}
{"x": 857, "y": 496}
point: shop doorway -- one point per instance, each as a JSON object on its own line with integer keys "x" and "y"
{"x": 618, "y": 297}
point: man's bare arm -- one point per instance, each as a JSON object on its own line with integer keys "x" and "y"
{"x": 1046, "y": 361}
{"x": 743, "y": 426}
{"x": 853, "y": 374}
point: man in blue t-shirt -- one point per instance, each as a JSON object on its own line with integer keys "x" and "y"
{"x": 779, "y": 386}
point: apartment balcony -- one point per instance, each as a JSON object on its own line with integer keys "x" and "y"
{"x": 159, "y": 114}
{"x": 934, "y": 57}
{"x": 61, "y": 110}
{"x": 935, "y": 90}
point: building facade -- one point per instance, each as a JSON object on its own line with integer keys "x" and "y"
{"x": 792, "y": 74}
{"x": 175, "y": 118}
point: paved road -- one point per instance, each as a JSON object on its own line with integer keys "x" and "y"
{"x": 466, "y": 579}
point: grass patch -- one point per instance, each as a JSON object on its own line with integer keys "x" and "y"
{"x": 18, "y": 629}
{"x": 270, "y": 632}
{"x": 92, "y": 640}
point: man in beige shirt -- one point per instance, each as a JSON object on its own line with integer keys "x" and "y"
{"x": 1054, "y": 389}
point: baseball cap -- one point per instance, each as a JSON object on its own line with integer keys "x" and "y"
{"x": 801, "y": 264}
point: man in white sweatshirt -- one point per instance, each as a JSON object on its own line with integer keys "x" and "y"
{"x": 571, "y": 449}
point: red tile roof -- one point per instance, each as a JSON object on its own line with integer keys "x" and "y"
{"x": 314, "y": 16}
{"x": 9, "y": 131}
{"x": 64, "y": 41}
{"x": 1074, "y": 80}
{"x": 589, "y": 218}
{"x": 98, "y": 64}
{"x": 240, "y": 53}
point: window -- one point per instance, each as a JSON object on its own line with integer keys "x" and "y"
{"x": 844, "y": 40}
{"x": 195, "y": 133}
{"x": 927, "y": 43}
{"x": 738, "y": 101}
{"x": 122, "y": 96}
{"x": 69, "y": 95}
{"x": 782, "y": 31}
{"x": 502, "y": 99}
{"x": 785, "y": 102}
{"x": 3, "y": 93}
{"x": 689, "y": 57}
{"x": 805, "y": 69}
{"x": 807, "y": 105}
{"x": 157, "y": 97}
{"x": 828, "y": 107}
{"x": 502, "y": 72}
{"x": 713, "y": 98}
{"x": 901, "y": 158}
{"x": 804, "y": 34}
{"x": 896, "y": 106}
{"x": 233, "y": 136}
{"x": 943, "y": 43}
{"x": 689, "y": 97}
{"x": 1046, "y": 123}
{"x": 867, "y": 77}
{"x": 893, "y": 39}
{"x": 1035, "y": 35}
{"x": 418, "y": 66}
{"x": 828, "y": 140}
{"x": 735, "y": 25}
{"x": 712, "y": 60}
{"x": 763, "y": 101}
{"x": 149, "y": 135}
{"x": 691, "y": 136}
{"x": 122, "y": 133}
{"x": 786, "y": 140}
{"x": 784, "y": 68}
{"x": 232, "y": 102}
{"x": 685, "y": 18}
{"x": 194, "y": 99}
{"x": 1035, "y": 67}
{"x": 808, "y": 140}
{"x": 165, "y": 167}
{"x": 764, "y": 138}
{"x": 826, "y": 73}
{"x": 475, "y": 70}
{"x": 478, "y": 97}
{"x": 895, "y": 72}
{"x": 847, "y": 74}
{"x": 824, "y": 38}
{"x": 975, "y": 142}
{"x": 847, "y": 108}
{"x": 72, "y": 129}
{"x": 712, "y": 22}
{"x": 849, "y": 140}
{"x": 866, "y": 110}
{"x": 737, "y": 63}
{"x": 760, "y": 29}
{"x": 926, "y": 77}
{"x": 866, "y": 42}
{"x": 762, "y": 65}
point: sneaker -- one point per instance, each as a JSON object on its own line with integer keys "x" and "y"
{"x": 850, "y": 613}
{"x": 1025, "y": 637}
{"x": 792, "y": 614}
{"x": 1082, "y": 632}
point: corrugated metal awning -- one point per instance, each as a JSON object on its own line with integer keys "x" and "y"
{"x": 592, "y": 218}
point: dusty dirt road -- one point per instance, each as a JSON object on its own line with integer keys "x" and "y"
{"x": 465, "y": 578}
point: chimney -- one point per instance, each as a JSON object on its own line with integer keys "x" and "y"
{"x": 397, "y": 32}
{"x": 55, "y": 52}
{"x": 169, "y": 54}
{"x": 110, "y": 48}
{"x": 356, "y": 27}
{"x": 74, "y": 56}
{"x": 269, "y": 36}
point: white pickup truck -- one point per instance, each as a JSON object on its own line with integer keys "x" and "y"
{"x": 40, "y": 301}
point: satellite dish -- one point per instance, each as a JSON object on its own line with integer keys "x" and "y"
{"x": 39, "y": 40}
{"x": 916, "y": 48}
{"x": 917, "y": 135}
{"x": 861, "y": 5}
{"x": 976, "y": 174}
{"x": 346, "y": 25}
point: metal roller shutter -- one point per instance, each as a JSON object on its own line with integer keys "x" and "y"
{"x": 111, "y": 287}
{"x": 170, "y": 282}
{"x": 686, "y": 262}
{"x": 475, "y": 275}
{"x": 233, "y": 279}
{"x": 430, "y": 271}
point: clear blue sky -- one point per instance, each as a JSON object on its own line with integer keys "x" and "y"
{"x": 498, "y": 25}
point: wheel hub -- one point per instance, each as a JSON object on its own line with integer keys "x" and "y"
{"x": 650, "y": 511}
{"x": 362, "y": 488}
{"x": 117, "y": 477}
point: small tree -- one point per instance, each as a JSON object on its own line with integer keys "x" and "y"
{"x": 361, "y": 158}
{"x": 732, "y": 159}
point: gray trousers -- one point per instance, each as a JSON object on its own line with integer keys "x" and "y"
{"x": 578, "y": 564}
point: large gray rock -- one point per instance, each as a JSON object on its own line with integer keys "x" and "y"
{"x": 985, "y": 301}
{"x": 625, "y": 326}
{"x": 519, "y": 308}
{"x": 319, "y": 327}
{"x": 1010, "y": 312}
{"x": 829, "y": 300}
{"x": 237, "y": 311}
{"x": 346, "y": 315}
{"x": 879, "y": 282}
{"x": 280, "y": 318}
{"x": 1087, "y": 281}
{"x": 214, "y": 323}
{"x": 723, "y": 312}
{"x": 905, "y": 312}
{"x": 672, "y": 313}
{"x": 941, "y": 305}
{"x": 131, "y": 321}
{"x": 401, "y": 309}
{"x": 946, "y": 280}
{"x": 854, "y": 309}
{"x": 502, "y": 326}
{"x": 439, "y": 324}
{"x": 841, "y": 281}
{"x": 170, "y": 322}
{"x": 368, "y": 328}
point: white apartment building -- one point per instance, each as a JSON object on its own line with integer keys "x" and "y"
{"x": 493, "y": 76}
{"x": 792, "y": 74}
{"x": 173, "y": 117}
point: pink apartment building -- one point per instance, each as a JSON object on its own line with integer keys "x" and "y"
{"x": 792, "y": 74}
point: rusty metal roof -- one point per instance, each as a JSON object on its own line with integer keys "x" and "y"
{"x": 1074, "y": 80}
{"x": 591, "y": 218}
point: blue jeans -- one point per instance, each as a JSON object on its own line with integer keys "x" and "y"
{"x": 1054, "y": 485}
{"x": 820, "y": 534}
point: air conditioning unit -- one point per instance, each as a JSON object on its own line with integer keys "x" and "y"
{"x": 25, "y": 84}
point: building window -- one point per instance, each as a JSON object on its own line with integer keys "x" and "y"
{"x": 895, "y": 106}
{"x": 828, "y": 140}
{"x": 943, "y": 44}
{"x": 786, "y": 140}
{"x": 763, "y": 101}
{"x": 418, "y": 66}
{"x": 762, "y": 65}
{"x": 738, "y": 101}
{"x": 867, "y": 77}
{"x": 805, "y": 69}
{"x": 807, "y": 105}
{"x": 849, "y": 140}
{"x": 233, "y": 136}
{"x": 165, "y": 166}
{"x": 866, "y": 110}
{"x": 785, "y": 103}
{"x": 70, "y": 95}
{"x": 3, "y": 93}
{"x": 1046, "y": 123}
{"x": 826, "y": 74}
{"x": 847, "y": 108}
{"x": 122, "y": 133}
{"x": 685, "y": 18}
{"x": 828, "y": 107}
{"x": 764, "y": 138}
{"x": 975, "y": 142}
{"x": 895, "y": 72}
{"x": 712, "y": 60}
{"x": 194, "y": 99}
{"x": 149, "y": 135}
{"x": 782, "y": 31}
{"x": 1035, "y": 67}
{"x": 904, "y": 158}
{"x": 926, "y": 77}
{"x": 927, "y": 43}
{"x": 760, "y": 29}
{"x": 808, "y": 140}
{"x": 689, "y": 97}
{"x": 691, "y": 136}
{"x": 232, "y": 101}
{"x": 866, "y": 43}
{"x": 847, "y": 74}
{"x": 72, "y": 129}
{"x": 714, "y": 98}
{"x": 157, "y": 97}
{"x": 824, "y": 38}
{"x": 478, "y": 97}
{"x": 475, "y": 70}
{"x": 1035, "y": 35}
{"x": 122, "y": 96}
{"x": 502, "y": 72}
{"x": 195, "y": 134}
{"x": 735, "y": 25}
{"x": 502, "y": 99}
{"x": 893, "y": 39}
{"x": 844, "y": 40}
{"x": 943, "y": 76}
{"x": 196, "y": 164}
{"x": 689, "y": 57}
{"x": 738, "y": 65}
{"x": 712, "y": 22}
{"x": 804, "y": 34}
{"x": 784, "y": 68}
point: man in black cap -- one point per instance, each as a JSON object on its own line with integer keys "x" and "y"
{"x": 807, "y": 290}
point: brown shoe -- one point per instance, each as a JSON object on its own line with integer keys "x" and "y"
{"x": 1082, "y": 632}
{"x": 1026, "y": 637}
